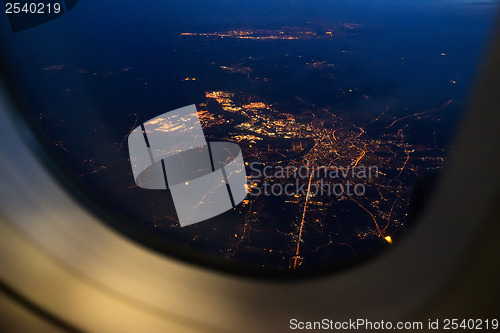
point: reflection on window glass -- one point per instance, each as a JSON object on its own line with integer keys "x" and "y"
{"x": 338, "y": 108}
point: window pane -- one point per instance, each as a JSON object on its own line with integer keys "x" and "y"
{"x": 339, "y": 108}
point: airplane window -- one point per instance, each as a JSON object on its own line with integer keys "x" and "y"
{"x": 274, "y": 138}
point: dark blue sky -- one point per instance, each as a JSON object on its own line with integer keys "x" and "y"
{"x": 188, "y": 14}
{"x": 96, "y": 26}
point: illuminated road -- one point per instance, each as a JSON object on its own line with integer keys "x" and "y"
{"x": 299, "y": 240}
